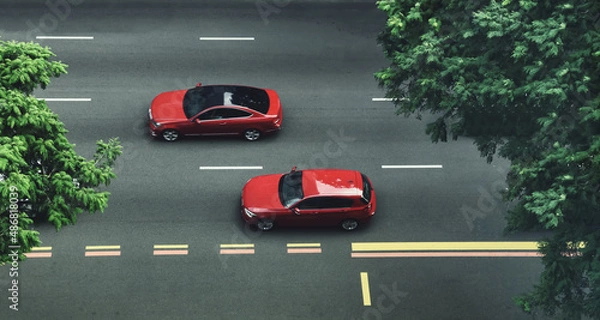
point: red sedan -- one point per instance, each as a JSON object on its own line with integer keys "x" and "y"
{"x": 215, "y": 110}
{"x": 312, "y": 197}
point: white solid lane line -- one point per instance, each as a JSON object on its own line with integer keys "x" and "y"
{"x": 64, "y": 38}
{"x": 66, "y": 99}
{"x": 227, "y": 38}
{"x": 424, "y": 166}
{"x": 231, "y": 167}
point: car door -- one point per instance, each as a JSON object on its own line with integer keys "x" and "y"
{"x": 210, "y": 122}
{"x": 335, "y": 210}
{"x": 220, "y": 121}
{"x": 306, "y": 212}
{"x": 236, "y": 120}
{"x": 322, "y": 211}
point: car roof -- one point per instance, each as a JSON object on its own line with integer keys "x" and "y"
{"x": 331, "y": 182}
{"x": 253, "y": 98}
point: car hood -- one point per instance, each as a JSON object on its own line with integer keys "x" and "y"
{"x": 262, "y": 192}
{"x": 168, "y": 106}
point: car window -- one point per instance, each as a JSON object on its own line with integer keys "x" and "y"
{"x": 339, "y": 203}
{"x": 312, "y": 203}
{"x": 223, "y": 113}
{"x": 325, "y": 203}
{"x": 290, "y": 188}
{"x": 208, "y": 115}
{"x": 201, "y": 98}
{"x": 228, "y": 113}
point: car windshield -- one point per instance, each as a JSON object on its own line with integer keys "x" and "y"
{"x": 290, "y": 188}
{"x": 200, "y": 98}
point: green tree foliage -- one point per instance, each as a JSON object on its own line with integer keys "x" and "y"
{"x": 522, "y": 79}
{"x": 25, "y": 66}
{"x": 37, "y": 162}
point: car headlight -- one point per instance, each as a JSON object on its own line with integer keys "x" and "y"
{"x": 156, "y": 124}
{"x": 249, "y": 213}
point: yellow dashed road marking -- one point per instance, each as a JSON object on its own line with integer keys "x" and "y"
{"x": 366, "y": 291}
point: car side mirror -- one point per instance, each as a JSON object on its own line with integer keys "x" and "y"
{"x": 199, "y": 84}
{"x": 197, "y": 121}
{"x": 296, "y": 211}
{"x": 293, "y": 169}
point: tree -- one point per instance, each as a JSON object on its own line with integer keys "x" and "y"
{"x": 36, "y": 160}
{"x": 522, "y": 79}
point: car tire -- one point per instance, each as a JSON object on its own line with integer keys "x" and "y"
{"x": 349, "y": 224}
{"x": 252, "y": 134}
{"x": 170, "y": 135}
{"x": 265, "y": 224}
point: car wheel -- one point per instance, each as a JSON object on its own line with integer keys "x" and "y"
{"x": 349, "y": 224}
{"x": 265, "y": 224}
{"x": 170, "y": 135}
{"x": 252, "y": 134}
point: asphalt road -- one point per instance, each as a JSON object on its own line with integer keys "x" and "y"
{"x": 320, "y": 57}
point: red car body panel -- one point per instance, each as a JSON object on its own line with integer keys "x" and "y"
{"x": 275, "y": 110}
{"x": 256, "y": 197}
{"x": 167, "y": 106}
{"x": 331, "y": 182}
{"x": 260, "y": 196}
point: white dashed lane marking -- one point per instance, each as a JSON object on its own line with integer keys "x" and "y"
{"x": 64, "y": 38}
{"x": 226, "y": 38}
{"x": 66, "y": 99}
{"x": 412, "y": 166}
{"x": 231, "y": 167}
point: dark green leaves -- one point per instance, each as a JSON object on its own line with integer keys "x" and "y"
{"x": 36, "y": 160}
{"x": 522, "y": 78}
{"x": 24, "y": 66}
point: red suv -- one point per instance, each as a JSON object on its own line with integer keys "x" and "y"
{"x": 312, "y": 197}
